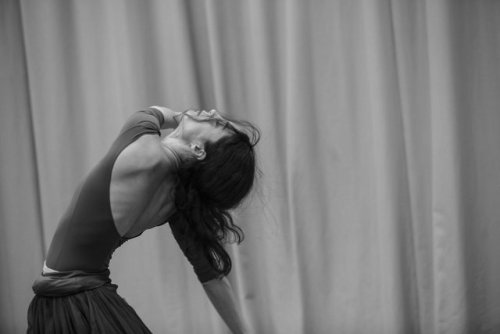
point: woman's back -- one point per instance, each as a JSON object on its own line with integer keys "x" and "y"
{"x": 141, "y": 187}
{"x": 87, "y": 234}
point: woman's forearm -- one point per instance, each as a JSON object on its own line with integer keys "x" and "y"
{"x": 221, "y": 295}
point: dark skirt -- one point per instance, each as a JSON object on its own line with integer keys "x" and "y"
{"x": 80, "y": 307}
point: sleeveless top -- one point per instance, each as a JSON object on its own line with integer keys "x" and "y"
{"x": 86, "y": 236}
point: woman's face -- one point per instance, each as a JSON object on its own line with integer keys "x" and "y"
{"x": 203, "y": 126}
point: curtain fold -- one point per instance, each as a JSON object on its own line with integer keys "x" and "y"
{"x": 377, "y": 209}
{"x": 21, "y": 229}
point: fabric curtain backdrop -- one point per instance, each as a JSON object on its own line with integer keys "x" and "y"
{"x": 378, "y": 209}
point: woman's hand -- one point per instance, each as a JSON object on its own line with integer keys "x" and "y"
{"x": 171, "y": 117}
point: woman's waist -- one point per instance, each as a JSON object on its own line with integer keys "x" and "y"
{"x": 54, "y": 283}
{"x": 68, "y": 252}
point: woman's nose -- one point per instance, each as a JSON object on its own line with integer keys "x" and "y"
{"x": 208, "y": 114}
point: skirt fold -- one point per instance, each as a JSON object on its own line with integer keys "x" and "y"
{"x": 99, "y": 310}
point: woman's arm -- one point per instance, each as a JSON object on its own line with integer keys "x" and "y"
{"x": 218, "y": 290}
{"x": 171, "y": 118}
{"x": 221, "y": 295}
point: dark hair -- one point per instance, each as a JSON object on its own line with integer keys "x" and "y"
{"x": 207, "y": 190}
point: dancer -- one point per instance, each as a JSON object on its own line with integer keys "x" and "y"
{"x": 191, "y": 179}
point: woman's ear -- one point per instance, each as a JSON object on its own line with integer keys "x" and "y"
{"x": 198, "y": 151}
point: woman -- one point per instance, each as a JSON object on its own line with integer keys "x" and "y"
{"x": 191, "y": 178}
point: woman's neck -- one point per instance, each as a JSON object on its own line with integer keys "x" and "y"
{"x": 176, "y": 152}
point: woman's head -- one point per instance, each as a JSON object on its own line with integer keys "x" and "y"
{"x": 225, "y": 170}
{"x": 195, "y": 129}
{"x": 212, "y": 185}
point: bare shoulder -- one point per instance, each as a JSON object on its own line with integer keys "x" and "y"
{"x": 144, "y": 154}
